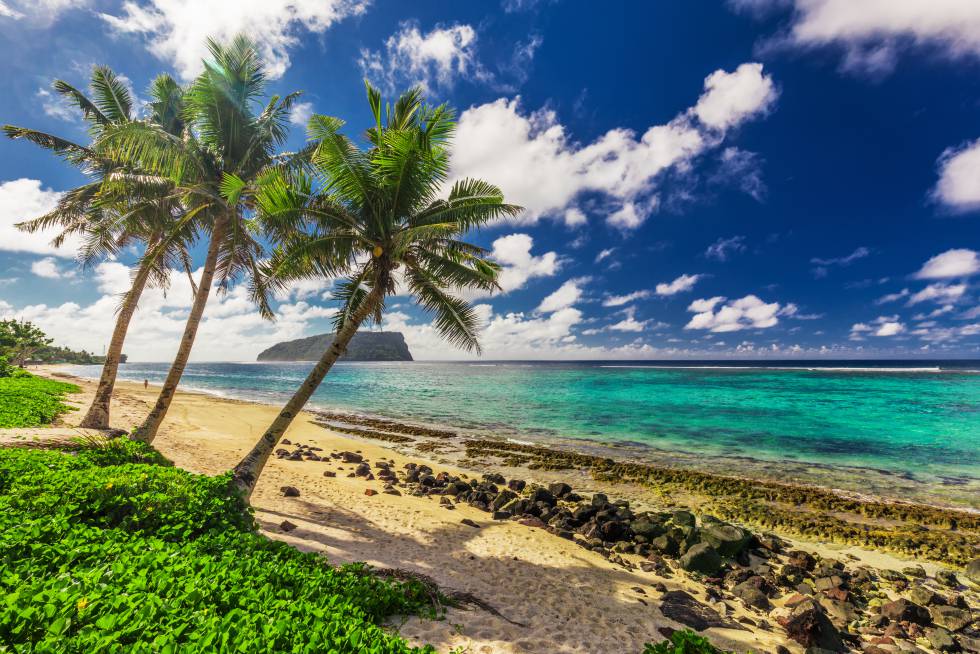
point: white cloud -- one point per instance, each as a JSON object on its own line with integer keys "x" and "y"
{"x": 847, "y": 260}
{"x": 748, "y": 312}
{"x": 567, "y": 295}
{"x": 518, "y": 265}
{"x": 176, "y": 30}
{"x": 871, "y": 32}
{"x": 941, "y": 293}
{"x": 743, "y": 170}
{"x": 55, "y": 106}
{"x": 231, "y": 329}
{"x": 43, "y": 12}
{"x": 23, "y": 199}
{"x": 49, "y": 269}
{"x": 893, "y": 297}
{"x": 575, "y": 217}
{"x": 890, "y": 329}
{"x": 301, "y": 113}
{"x": 537, "y": 165}
{"x": 958, "y": 187}
{"x": 731, "y": 98}
{"x": 630, "y": 323}
{"x": 679, "y": 285}
{"x": 620, "y": 300}
{"x": 724, "y": 248}
{"x": 434, "y": 59}
{"x": 959, "y": 262}
{"x": 604, "y": 254}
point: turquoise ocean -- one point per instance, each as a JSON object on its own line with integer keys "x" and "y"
{"x": 884, "y": 427}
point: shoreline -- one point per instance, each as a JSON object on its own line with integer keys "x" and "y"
{"x": 868, "y": 483}
{"x": 582, "y": 600}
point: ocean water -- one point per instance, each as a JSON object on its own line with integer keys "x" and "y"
{"x": 914, "y": 420}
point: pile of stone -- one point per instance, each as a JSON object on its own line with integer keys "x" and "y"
{"x": 823, "y": 604}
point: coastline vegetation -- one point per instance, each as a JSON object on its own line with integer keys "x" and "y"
{"x": 111, "y": 548}
{"x": 29, "y": 401}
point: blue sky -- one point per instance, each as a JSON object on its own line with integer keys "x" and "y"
{"x": 750, "y": 178}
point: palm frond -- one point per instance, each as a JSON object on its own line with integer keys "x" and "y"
{"x": 455, "y": 320}
{"x": 111, "y": 95}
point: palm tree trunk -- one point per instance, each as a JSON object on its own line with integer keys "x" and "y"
{"x": 148, "y": 430}
{"x": 246, "y": 473}
{"x": 97, "y": 416}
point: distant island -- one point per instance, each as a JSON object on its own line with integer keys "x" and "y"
{"x": 365, "y": 346}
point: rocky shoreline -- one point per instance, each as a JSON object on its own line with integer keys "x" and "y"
{"x": 944, "y": 535}
{"x": 821, "y": 603}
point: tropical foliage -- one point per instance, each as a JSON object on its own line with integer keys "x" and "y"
{"x": 103, "y": 554}
{"x": 377, "y": 222}
{"x": 29, "y": 401}
{"x": 20, "y": 339}
{"x": 683, "y": 642}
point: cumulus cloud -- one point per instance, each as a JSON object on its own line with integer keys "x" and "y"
{"x": 958, "y": 187}
{"x": 880, "y": 326}
{"x": 890, "y": 329}
{"x": 518, "y": 264}
{"x": 938, "y": 292}
{"x": 567, "y": 295}
{"x": 23, "y": 199}
{"x": 49, "y": 269}
{"x": 748, "y": 312}
{"x": 42, "y": 12}
{"x": 538, "y": 165}
{"x": 724, "y": 248}
{"x": 620, "y": 300}
{"x": 871, "y": 33}
{"x": 301, "y": 113}
{"x": 893, "y": 297}
{"x": 231, "y": 329}
{"x": 432, "y": 59}
{"x": 679, "y": 285}
{"x": 958, "y": 262}
{"x": 176, "y": 30}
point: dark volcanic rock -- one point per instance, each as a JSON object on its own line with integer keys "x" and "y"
{"x": 903, "y": 610}
{"x": 951, "y": 617}
{"x": 701, "y": 558}
{"x": 807, "y": 625}
{"x": 729, "y": 540}
{"x": 286, "y": 525}
{"x": 289, "y": 491}
{"x": 350, "y": 457}
{"x": 469, "y": 523}
{"x": 681, "y": 607}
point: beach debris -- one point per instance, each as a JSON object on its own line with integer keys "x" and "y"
{"x": 289, "y": 491}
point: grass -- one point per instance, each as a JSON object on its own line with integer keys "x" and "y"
{"x": 29, "y": 401}
{"x": 111, "y": 549}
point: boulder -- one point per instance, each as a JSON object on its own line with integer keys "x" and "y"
{"x": 350, "y": 457}
{"x": 683, "y": 518}
{"x": 516, "y": 485}
{"x": 540, "y": 494}
{"x": 683, "y": 608}
{"x": 942, "y": 640}
{"x": 972, "y": 572}
{"x": 947, "y": 578}
{"x": 599, "y": 500}
{"x": 503, "y": 498}
{"x": 951, "y": 617}
{"x": 903, "y": 610}
{"x": 647, "y": 528}
{"x": 729, "y": 540}
{"x": 286, "y": 525}
{"x": 750, "y": 594}
{"x": 329, "y": 473}
{"x": 469, "y": 523}
{"x": 289, "y": 491}
{"x": 701, "y": 558}
{"x": 362, "y": 470}
{"x": 925, "y": 596}
{"x": 559, "y": 489}
{"x": 807, "y": 625}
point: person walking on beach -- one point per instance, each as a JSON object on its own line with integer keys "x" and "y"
{"x": 146, "y": 384}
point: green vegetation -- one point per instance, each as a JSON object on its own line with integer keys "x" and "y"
{"x": 364, "y": 346}
{"x": 683, "y": 642}
{"x": 29, "y": 401}
{"x": 111, "y": 549}
{"x": 19, "y": 340}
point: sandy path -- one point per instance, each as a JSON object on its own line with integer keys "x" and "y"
{"x": 568, "y": 599}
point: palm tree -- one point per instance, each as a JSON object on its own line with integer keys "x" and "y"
{"x": 230, "y": 142}
{"x": 107, "y": 212}
{"x": 377, "y": 223}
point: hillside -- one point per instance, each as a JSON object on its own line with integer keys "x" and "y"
{"x": 365, "y": 346}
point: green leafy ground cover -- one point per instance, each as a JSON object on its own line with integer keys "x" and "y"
{"x": 683, "y": 642}
{"x": 101, "y": 554}
{"x": 29, "y": 401}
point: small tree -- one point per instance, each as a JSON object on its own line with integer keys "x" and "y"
{"x": 19, "y": 340}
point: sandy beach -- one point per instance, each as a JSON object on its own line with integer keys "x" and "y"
{"x": 555, "y": 596}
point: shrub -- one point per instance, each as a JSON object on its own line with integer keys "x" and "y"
{"x": 683, "y": 642}
{"x": 29, "y": 401}
{"x": 102, "y": 554}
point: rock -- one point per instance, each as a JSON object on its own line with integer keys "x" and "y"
{"x": 839, "y": 613}
{"x": 972, "y": 572}
{"x": 540, "y": 494}
{"x": 286, "y": 525}
{"x": 501, "y": 515}
{"x": 494, "y": 478}
{"x": 807, "y": 625}
{"x": 370, "y": 492}
{"x": 942, "y": 640}
{"x": 289, "y": 491}
{"x": 559, "y": 489}
{"x": 665, "y": 545}
{"x": 391, "y": 491}
{"x": 891, "y": 575}
{"x": 647, "y": 528}
{"x": 701, "y": 558}
{"x": 916, "y": 571}
{"x": 469, "y": 523}
{"x": 903, "y": 610}
{"x": 350, "y": 457}
{"x": 533, "y": 521}
{"x": 329, "y": 473}
{"x": 362, "y": 470}
{"x": 925, "y": 596}
{"x": 750, "y": 594}
{"x": 683, "y": 518}
{"x": 502, "y": 499}
{"x": 947, "y": 578}
{"x": 950, "y": 617}
{"x": 681, "y": 607}
{"x": 729, "y": 540}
